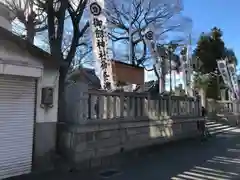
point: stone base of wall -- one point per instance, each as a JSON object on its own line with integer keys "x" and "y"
{"x": 106, "y": 142}
{"x": 116, "y": 161}
{"x": 44, "y": 146}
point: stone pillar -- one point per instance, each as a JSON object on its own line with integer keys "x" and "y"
{"x": 236, "y": 110}
{"x": 94, "y": 106}
{"x": 76, "y": 99}
{"x": 223, "y": 94}
{"x": 203, "y": 97}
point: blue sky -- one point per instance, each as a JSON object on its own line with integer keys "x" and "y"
{"x": 206, "y": 14}
{"x": 224, "y": 14}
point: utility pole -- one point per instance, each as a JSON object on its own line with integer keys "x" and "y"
{"x": 189, "y": 66}
{"x": 170, "y": 66}
{"x": 171, "y": 48}
{"x": 175, "y": 79}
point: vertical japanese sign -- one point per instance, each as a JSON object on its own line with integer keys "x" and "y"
{"x": 223, "y": 69}
{"x": 233, "y": 77}
{"x": 100, "y": 43}
{"x": 187, "y": 73}
{"x": 189, "y": 63}
{"x": 185, "y": 68}
{"x": 149, "y": 37}
{"x": 150, "y": 40}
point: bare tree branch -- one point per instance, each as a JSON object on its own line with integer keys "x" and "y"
{"x": 30, "y": 16}
{"x": 144, "y": 13}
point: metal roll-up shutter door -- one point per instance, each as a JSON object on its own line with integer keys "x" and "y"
{"x": 17, "y": 103}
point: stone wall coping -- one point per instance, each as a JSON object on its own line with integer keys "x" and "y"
{"x": 93, "y": 126}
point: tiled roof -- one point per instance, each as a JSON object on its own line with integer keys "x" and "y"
{"x": 150, "y": 86}
{"x": 87, "y": 75}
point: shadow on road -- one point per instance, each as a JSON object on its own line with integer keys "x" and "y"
{"x": 215, "y": 159}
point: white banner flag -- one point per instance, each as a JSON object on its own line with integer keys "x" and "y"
{"x": 151, "y": 42}
{"x": 233, "y": 77}
{"x": 223, "y": 69}
{"x": 100, "y": 44}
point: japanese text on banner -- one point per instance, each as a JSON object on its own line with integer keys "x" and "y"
{"x": 100, "y": 40}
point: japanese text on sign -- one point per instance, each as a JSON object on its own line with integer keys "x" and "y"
{"x": 100, "y": 45}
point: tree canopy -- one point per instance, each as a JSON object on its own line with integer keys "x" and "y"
{"x": 211, "y": 48}
{"x": 230, "y": 54}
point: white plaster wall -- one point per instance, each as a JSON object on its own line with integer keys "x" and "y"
{"x": 5, "y": 23}
{"x": 11, "y": 69}
{"x": 6, "y": 16}
{"x": 14, "y": 61}
{"x": 49, "y": 79}
{"x": 11, "y": 53}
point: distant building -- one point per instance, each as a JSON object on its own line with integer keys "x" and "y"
{"x": 150, "y": 86}
{"x": 85, "y": 76}
{"x": 126, "y": 76}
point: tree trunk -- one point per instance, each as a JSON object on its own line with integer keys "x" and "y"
{"x": 132, "y": 54}
{"x": 156, "y": 72}
{"x": 30, "y": 31}
{"x": 161, "y": 79}
{"x": 30, "y": 36}
{"x": 61, "y": 106}
{"x": 163, "y": 69}
{"x": 61, "y": 95}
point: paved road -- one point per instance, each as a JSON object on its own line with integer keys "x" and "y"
{"x": 216, "y": 159}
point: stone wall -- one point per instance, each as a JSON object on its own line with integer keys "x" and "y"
{"x": 99, "y": 139}
{"x": 124, "y": 122}
{"x": 224, "y": 111}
